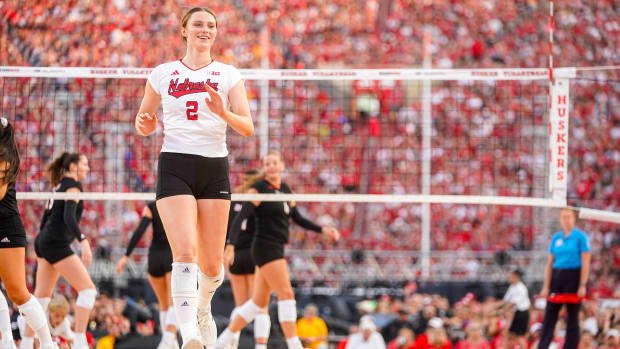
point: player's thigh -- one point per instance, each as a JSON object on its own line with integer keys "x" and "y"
{"x": 178, "y": 214}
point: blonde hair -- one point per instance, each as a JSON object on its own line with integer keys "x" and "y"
{"x": 189, "y": 14}
{"x": 274, "y": 153}
{"x": 59, "y": 302}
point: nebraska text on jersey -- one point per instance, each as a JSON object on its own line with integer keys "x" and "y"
{"x": 187, "y": 87}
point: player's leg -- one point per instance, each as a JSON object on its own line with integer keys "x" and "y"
{"x": 212, "y": 224}
{"x": 74, "y": 271}
{"x": 13, "y": 274}
{"x": 179, "y": 217}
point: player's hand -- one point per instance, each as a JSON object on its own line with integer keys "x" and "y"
{"x": 214, "y": 102}
{"x": 87, "y": 255}
{"x": 146, "y": 123}
{"x": 229, "y": 255}
{"x": 120, "y": 265}
{"x": 581, "y": 292}
{"x": 544, "y": 293}
{"x": 332, "y": 232}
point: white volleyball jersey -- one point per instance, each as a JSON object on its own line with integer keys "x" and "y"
{"x": 189, "y": 126}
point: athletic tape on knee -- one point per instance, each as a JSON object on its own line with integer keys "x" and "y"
{"x": 294, "y": 343}
{"x": 33, "y": 314}
{"x": 171, "y": 318}
{"x": 287, "y": 311}
{"x": 234, "y": 312}
{"x": 45, "y": 302}
{"x": 86, "y": 298}
{"x": 262, "y": 326}
{"x": 184, "y": 279}
{"x": 248, "y": 311}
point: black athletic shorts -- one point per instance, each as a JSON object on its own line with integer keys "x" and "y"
{"x": 12, "y": 232}
{"x": 189, "y": 174}
{"x": 565, "y": 280}
{"x": 51, "y": 252}
{"x": 160, "y": 262}
{"x": 243, "y": 263}
{"x": 265, "y": 251}
{"x": 519, "y": 322}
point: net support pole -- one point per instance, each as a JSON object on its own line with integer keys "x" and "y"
{"x": 263, "y": 114}
{"x": 425, "y": 241}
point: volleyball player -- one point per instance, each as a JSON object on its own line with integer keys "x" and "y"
{"x": 272, "y": 233}
{"x": 159, "y": 269}
{"x": 59, "y": 228}
{"x": 193, "y": 188}
{"x": 13, "y": 249}
{"x": 238, "y": 256}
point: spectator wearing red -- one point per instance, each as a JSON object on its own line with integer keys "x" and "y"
{"x": 475, "y": 338}
{"x": 435, "y": 336}
{"x": 404, "y": 340}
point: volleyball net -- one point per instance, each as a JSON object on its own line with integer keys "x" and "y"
{"x": 481, "y": 150}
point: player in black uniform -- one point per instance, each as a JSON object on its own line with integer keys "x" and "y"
{"x": 159, "y": 269}
{"x": 12, "y": 248}
{"x": 272, "y": 233}
{"x": 59, "y": 228}
{"x": 238, "y": 256}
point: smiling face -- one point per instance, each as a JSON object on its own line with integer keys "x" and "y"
{"x": 199, "y": 28}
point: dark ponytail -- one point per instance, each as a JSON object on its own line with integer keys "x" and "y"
{"x": 62, "y": 164}
{"x": 8, "y": 152}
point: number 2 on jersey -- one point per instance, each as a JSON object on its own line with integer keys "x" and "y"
{"x": 192, "y": 110}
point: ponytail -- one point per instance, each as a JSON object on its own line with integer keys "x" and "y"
{"x": 252, "y": 178}
{"x": 8, "y": 152}
{"x": 62, "y": 164}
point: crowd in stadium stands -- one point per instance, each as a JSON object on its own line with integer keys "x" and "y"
{"x": 330, "y": 139}
{"x": 413, "y": 320}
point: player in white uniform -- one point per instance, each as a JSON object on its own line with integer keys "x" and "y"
{"x": 193, "y": 188}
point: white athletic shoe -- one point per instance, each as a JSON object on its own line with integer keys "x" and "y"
{"x": 207, "y": 327}
{"x": 193, "y": 343}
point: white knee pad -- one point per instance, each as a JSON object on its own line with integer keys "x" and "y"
{"x": 248, "y": 311}
{"x": 184, "y": 281}
{"x": 234, "y": 312}
{"x": 287, "y": 311}
{"x": 171, "y": 318}
{"x": 262, "y": 326}
{"x": 33, "y": 314}
{"x": 45, "y": 302}
{"x": 86, "y": 298}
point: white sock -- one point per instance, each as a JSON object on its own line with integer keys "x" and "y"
{"x": 35, "y": 317}
{"x": 80, "y": 340}
{"x": 5, "y": 321}
{"x": 162, "y": 320}
{"x": 260, "y": 346}
{"x": 207, "y": 286}
{"x": 27, "y": 343}
{"x": 168, "y": 337}
{"x": 226, "y": 336}
{"x": 185, "y": 298}
{"x": 294, "y": 343}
